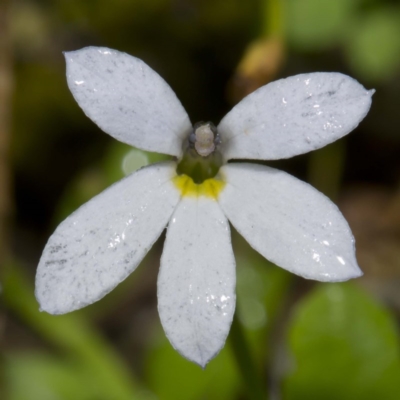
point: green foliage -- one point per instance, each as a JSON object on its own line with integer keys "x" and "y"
{"x": 46, "y": 378}
{"x": 171, "y": 377}
{"x": 119, "y": 161}
{"x": 345, "y": 347}
{"x": 373, "y": 47}
{"x": 370, "y": 37}
{"x": 260, "y": 287}
{"x": 317, "y": 24}
{"x": 74, "y": 337}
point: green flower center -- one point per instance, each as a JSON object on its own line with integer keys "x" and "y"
{"x": 201, "y": 158}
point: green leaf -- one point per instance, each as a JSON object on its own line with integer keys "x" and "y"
{"x": 73, "y": 335}
{"x": 172, "y": 377}
{"x": 373, "y": 45}
{"x": 37, "y": 376}
{"x": 316, "y": 24}
{"x": 345, "y": 347}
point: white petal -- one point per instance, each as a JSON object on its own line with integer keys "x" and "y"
{"x": 102, "y": 242}
{"x": 293, "y": 116}
{"x": 196, "y": 283}
{"x": 127, "y": 99}
{"x": 289, "y": 222}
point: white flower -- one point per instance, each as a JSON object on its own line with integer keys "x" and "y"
{"x": 284, "y": 219}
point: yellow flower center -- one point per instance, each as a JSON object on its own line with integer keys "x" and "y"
{"x": 209, "y": 188}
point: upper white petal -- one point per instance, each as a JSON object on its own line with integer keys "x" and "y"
{"x": 293, "y": 116}
{"x": 127, "y": 99}
{"x": 196, "y": 283}
{"x": 102, "y": 242}
{"x": 289, "y": 222}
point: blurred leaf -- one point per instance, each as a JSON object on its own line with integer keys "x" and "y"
{"x": 373, "y": 44}
{"x": 120, "y": 160}
{"x": 86, "y": 185}
{"x": 329, "y": 158}
{"x": 261, "y": 288}
{"x": 73, "y": 335}
{"x": 42, "y": 377}
{"x": 317, "y": 24}
{"x": 345, "y": 347}
{"x": 172, "y": 377}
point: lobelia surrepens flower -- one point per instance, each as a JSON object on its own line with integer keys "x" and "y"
{"x": 286, "y": 220}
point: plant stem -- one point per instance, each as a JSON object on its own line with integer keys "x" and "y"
{"x": 256, "y": 388}
{"x": 273, "y": 18}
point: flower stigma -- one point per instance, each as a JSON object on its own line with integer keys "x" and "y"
{"x": 197, "y": 170}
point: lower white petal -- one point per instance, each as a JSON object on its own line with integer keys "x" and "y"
{"x": 289, "y": 222}
{"x": 102, "y": 242}
{"x": 196, "y": 283}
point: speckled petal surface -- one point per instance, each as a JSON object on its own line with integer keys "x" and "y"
{"x": 293, "y": 116}
{"x": 102, "y": 242}
{"x": 289, "y": 222}
{"x": 127, "y": 99}
{"x": 196, "y": 283}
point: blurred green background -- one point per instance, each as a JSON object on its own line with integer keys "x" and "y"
{"x": 306, "y": 340}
